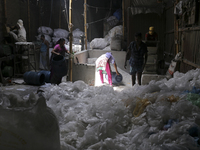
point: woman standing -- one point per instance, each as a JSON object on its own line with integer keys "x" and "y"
{"x": 58, "y": 52}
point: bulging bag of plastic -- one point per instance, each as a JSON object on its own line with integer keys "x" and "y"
{"x": 98, "y": 43}
{"x": 77, "y": 33}
{"x": 45, "y": 30}
{"x": 61, "y": 33}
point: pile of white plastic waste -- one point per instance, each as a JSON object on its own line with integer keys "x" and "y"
{"x": 47, "y": 32}
{"x": 163, "y": 115}
{"x": 53, "y": 35}
{"x": 112, "y": 41}
{"x": 77, "y": 33}
{"x": 58, "y": 34}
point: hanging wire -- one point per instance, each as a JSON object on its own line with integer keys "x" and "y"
{"x": 103, "y": 18}
{"x": 95, "y": 7}
{"x": 96, "y": 21}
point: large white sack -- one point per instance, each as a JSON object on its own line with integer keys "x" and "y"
{"x": 115, "y": 43}
{"x": 98, "y": 43}
{"x": 76, "y": 40}
{"x": 45, "y": 30}
{"x": 108, "y": 38}
{"x": 75, "y": 48}
{"x": 116, "y": 31}
{"x": 77, "y": 33}
{"x": 55, "y": 40}
{"x": 61, "y": 33}
{"x": 47, "y": 37}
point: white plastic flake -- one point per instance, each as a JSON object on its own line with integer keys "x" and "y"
{"x": 101, "y": 118}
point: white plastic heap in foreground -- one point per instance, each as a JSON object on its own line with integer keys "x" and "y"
{"x": 157, "y": 116}
{"x": 163, "y": 115}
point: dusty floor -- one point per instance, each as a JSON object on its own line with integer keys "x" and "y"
{"x": 19, "y": 87}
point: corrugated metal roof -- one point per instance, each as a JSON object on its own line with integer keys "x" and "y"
{"x": 147, "y": 6}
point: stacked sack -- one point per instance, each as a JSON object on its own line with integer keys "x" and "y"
{"x": 60, "y": 33}
{"x": 76, "y": 43}
{"x": 116, "y": 35}
{"x": 77, "y": 33}
{"x": 112, "y": 41}
{"x": 47, "y": 32}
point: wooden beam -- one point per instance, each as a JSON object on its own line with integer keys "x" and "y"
{"x": 176, "y": 31}
{"x": 85, "y": 22}
{"x": 29, "y": 22}
{"x": 190, "y": 63}
{"x": 70, "y": 40}
{"x": 123, "y": 18}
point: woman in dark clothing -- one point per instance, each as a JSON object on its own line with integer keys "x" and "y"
{"x": 59, "y": 49}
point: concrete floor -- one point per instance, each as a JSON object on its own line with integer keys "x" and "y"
{"x": 18, "y": 87}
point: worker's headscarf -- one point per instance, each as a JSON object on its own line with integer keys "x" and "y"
{"x": 110, "y": 57}
{"x": 108, "y": 54}
{"x": 20, "y": 23}
{"x": 151, "y": 30}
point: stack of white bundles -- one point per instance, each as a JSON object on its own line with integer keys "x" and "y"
{"x": 77, "y": 33}
{"x": 47, "y": 32}
{"x": 99, "y": 43}
{"x": 58, "y": 34}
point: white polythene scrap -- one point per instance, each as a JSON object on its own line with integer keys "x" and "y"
{"x": 102, "y": 118}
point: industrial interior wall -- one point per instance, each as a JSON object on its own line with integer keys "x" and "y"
{"x": 190, "y": 49}
{"x": 189, "y": 36}
{"x": 97, "y": 13}
{"x": 1, "y": 20}
{"x": 77, "y": 15}
{"x": 35, "y": 14}
{"x": 188, "y": 39}
{"x": 142, "y": 22}
{"x": 169, "y": 50}
{"x": 52, "y": 14}
{"x": 18, "y": 9}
